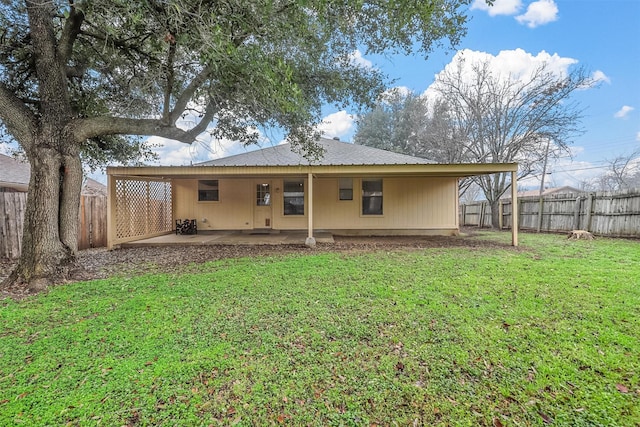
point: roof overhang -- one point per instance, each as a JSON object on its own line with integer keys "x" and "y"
{"x": 459, "y": 170}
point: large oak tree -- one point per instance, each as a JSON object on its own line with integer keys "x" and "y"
{"x": 76, "y": 75}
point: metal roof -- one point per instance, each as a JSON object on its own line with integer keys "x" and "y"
{"x": 339, "y": 159}
{"x": 336, "y": 153}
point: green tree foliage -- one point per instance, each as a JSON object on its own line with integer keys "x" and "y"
{"x": 407, "y": 123}
{"x": 79, "y": 77}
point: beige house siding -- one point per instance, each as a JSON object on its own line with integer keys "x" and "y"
{"x": 409, "y": 203}
{"x": 234, "y": 211}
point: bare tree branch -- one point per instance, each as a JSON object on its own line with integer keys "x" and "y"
{"x": 623, "y": 172}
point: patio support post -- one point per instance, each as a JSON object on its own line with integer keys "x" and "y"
{"x": 514, "y": 208}
{"x": 111, "y": 217}
{"x": 310, "y": 241}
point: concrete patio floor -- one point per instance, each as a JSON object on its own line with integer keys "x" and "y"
{"x": 245, "y": 237}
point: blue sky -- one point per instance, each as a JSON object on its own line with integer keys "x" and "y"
{"x": 601, "y": 35}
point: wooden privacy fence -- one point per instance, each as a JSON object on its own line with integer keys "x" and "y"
{"x": 91, "y": 234}
{"x": 606, "y": 213}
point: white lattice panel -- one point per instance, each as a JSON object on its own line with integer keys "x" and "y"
{"x": 142, "y": 207}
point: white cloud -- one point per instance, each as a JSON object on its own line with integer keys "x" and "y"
{"x": 514, "y": 64}
{"x": 500, "y": 7}
{"x": 575, "y": 174}
{"x": 12, "y": 149}
{"x": 173, "y": 153}
{"x": 356, "y": 58}
{"x": 205, "y": 147}
{"x": 336, "y": 124}
{"x": 623, "y": 112}
{"x": 599, "y": 76}
{"x": 520, "y": 64}
{"x": 217, "y": 148}
{"x": 539, "y": 13}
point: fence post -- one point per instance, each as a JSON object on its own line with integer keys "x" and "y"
{"x": 463, "y": 212}
{"x": 540, "y": 211}
{"x": 589, "y": 211}
{"x": 519, "y": 211}
{"x": 576, "y": 213}
{"x": 500, "y": 211}
{"x": 608, "y": 213}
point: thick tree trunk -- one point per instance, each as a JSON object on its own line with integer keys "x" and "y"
{"x": 71, "y": 188}
{"x": 495, "y": 214}
{"x": 50, "y": 234}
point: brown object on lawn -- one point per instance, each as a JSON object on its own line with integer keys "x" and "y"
{"x": 580, "y": 234}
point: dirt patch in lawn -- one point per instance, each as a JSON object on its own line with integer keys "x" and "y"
{"x": 101, "y": 263}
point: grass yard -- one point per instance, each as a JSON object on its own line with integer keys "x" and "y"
{"x": 547, "y": 334}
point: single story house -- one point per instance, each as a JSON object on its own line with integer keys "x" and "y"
{"x": 350, "y": 190}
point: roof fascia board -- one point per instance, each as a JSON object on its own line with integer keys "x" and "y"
{"x": 464, "y": 169}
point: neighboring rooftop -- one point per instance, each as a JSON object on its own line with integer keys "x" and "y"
{"x": 14, "y": 174}
{"x": 335, "y": 153}
{"x": 554, "y": 190}
{"x": 91, "y": 187}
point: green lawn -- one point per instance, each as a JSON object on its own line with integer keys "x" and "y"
{"x": 547, "y": 334}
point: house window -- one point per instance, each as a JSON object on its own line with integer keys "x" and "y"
{"x": 293, "y": 195}
{"x": 208, "y": 190}
{"x": 372, "y": 197}
{"x": 263, "y": 195}
{"x": 346, "y": 189}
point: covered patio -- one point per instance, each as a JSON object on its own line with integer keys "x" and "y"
{"x": 231, "y": 237}
{"x": 275, "y": 195}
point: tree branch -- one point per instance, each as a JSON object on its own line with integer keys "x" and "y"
{"x": 169, "y": 72}
{"x": 70, "y": 33}
{"x": 187, "y": 94}
{"x": 18, "y": 119}
{"x": 83, "y": 129}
